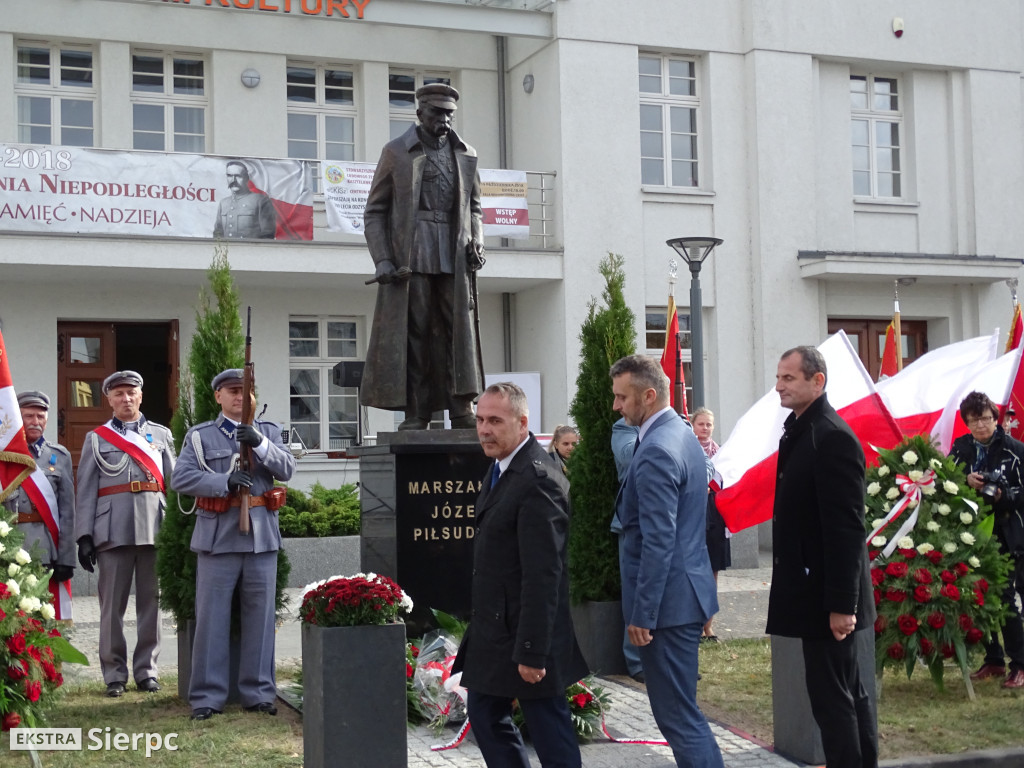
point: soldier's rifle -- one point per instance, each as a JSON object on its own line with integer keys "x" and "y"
{"x": 248, "y": 408}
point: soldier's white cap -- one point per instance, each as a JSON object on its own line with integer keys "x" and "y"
{"x": 121, "y": 379}
{"x": 34, "y": 397}
{"x": 228, "y": 378}
{"x": 438, "y": 95}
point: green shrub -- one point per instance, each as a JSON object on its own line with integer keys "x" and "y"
{"x": 322, "y": 512}
{"x": 606, "y": 335}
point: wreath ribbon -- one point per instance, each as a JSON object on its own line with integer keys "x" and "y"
{"x": 912, "y": 491}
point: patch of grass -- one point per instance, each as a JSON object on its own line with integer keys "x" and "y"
{"x": 229, "y": 740}
{"x": 913, "y": 717}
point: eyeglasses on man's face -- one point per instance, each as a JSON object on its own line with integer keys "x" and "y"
{"x": 980, "y": 421}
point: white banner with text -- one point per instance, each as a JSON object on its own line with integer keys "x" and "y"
{"x": 502, "y": 197}
{"x": 81, "y": 190}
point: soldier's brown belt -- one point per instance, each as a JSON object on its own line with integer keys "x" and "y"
{"x": 30, "y": 517}
{"x": 135, "y": 486}
{"x": 223, "y": 504}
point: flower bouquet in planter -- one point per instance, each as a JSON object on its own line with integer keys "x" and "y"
{"x": 936, "y": 567}
{"x": 353, "y": 601}
{"x": 32, "y": 649}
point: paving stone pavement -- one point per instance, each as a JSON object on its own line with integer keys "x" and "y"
{"x": 743, "y": 596}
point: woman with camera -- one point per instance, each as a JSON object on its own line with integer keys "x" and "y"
{"x": 993, "y": 461}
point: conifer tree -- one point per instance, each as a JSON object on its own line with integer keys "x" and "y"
{"x": 607, "y": 334}
{"x": 218, "y": 343}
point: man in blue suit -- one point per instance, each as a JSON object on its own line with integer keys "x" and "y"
{"x": 668, "y": 590}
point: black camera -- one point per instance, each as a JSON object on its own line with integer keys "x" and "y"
{"x": 993, "y": 482}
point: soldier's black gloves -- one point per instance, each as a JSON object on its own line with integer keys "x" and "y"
{"x": 62, "y": 572}
{"x": 238, "y": 480}
{"x": 86, "y": 553}
{"x": 248, "y": 434}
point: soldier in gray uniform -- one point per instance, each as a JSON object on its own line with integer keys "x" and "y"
{"x": 208, "y": 470}
{"x": 246, "y": 214}
{"x": 55, "y": 462}
{"x": 120, "y": 505}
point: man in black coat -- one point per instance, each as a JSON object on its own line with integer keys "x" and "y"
{"x": 520, "y": 643}
{"x": 989, "y": 450}
{"x": 821, "y": 583}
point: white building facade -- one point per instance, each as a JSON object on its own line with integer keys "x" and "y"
{"x": 832, "y": 156}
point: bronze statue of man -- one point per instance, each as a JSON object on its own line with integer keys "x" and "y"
{"x": 424, "y": 230}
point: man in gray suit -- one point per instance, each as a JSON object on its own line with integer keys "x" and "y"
{"x": 120, "y": 506}
{"x": 668, "y": 590}
{"x": 50, "y": 531}
{"x": 208, "y": 470}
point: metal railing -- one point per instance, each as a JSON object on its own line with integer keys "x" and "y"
{"x": 540, "y": 198}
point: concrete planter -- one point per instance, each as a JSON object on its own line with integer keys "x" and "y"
{"x": 599, "y": 628}
{"x": 353, "y": 697}
{"x": 313, "y": 559}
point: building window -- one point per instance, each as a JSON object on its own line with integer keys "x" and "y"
{"x": 402, "y": 87}
{"x": 668, "y": 121}
{"x": 321, "y": 114}
{"x": 656, "y": 325}
{"x": 876, "y": 118}
{"x": 168, "y": 102}
{"x": 55, "y": 95}
{"x": 322, "y": 415}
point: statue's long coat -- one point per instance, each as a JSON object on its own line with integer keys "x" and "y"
{"x": 390, "y": 220}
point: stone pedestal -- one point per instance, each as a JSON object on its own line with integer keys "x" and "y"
{"x": 418, "y": 498}
{"x": 599, "y": 629}
{"x": 354, "y": 699}
{"x": 796, "y": 734}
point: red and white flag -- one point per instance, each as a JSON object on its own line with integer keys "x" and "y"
{"x": 747, "y": 462}
{"x": 287, "y": 184}
{"x": 18, "y": 470}
{"x": 917, "y": 395}
{"x": 994, "y": 379}
{"x": 670, "y": 354}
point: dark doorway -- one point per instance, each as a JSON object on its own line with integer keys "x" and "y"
{"x": 88, "y": 352}
{"x": 868, "y": 338}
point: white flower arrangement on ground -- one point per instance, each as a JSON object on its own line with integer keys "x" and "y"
{"x": 31, "y": 647}
{"x": 937, "y": 588}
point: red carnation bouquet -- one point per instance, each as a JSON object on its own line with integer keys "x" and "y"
{"x": 935, "y": 565}
{"x": 32, "y": 649}
{"x": 350, "y": 601}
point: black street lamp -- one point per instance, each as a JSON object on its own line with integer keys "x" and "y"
{"x": 695, "y": 251}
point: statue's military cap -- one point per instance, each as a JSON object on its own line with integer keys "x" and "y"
{"x": 438, "y": 95}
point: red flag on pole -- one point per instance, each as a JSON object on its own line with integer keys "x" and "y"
{"x": 890, "y": 353}
{"x": 1013, "y": 339}
{"x": 670, "y": 356}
